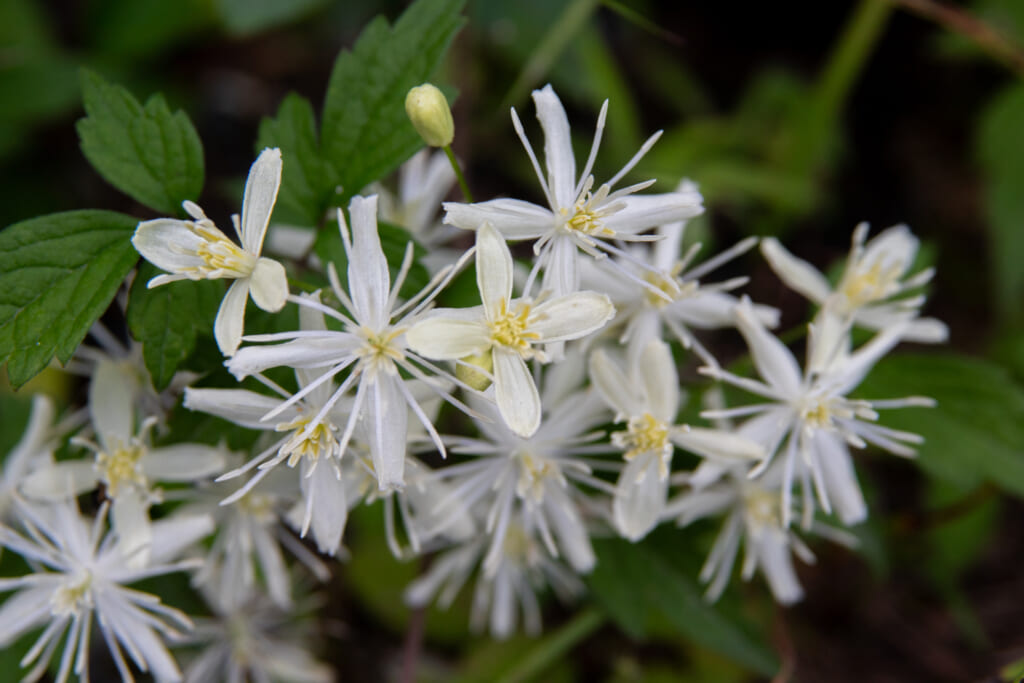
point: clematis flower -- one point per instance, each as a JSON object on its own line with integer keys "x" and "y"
{"x": 577, "y": 217}
{"x": 510, "y": 329}
{"x": 196, "y": 250}
{"x": 648, "y": 401}
{"x": 80, "y": 573}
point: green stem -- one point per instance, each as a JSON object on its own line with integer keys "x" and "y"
{"x": 555, "y": 646}
{"x": 466, "y": 194}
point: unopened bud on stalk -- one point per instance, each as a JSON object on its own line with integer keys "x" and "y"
{"x": 430, "y": 115}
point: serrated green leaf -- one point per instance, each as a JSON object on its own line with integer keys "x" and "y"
{"x": 245, "y": 17}
{"x": 58, "y": 273}
{"x": 976, "y": 433}
{"x": 147, "y": 152}
{"x": 365, "y": 132}
{"x": 167, "y": 319}
{"x": 307, "y": 182}
{"x": 635, "y": 583}
{"x": 393, "y": 241}
{"x": 1000, "y": 147}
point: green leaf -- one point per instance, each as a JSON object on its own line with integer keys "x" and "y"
{"x": 393, "y": 241}
{"x": 307, "y": 181}
{"x": 147, "y": 152}
{"x": 635, "y": 584}
{"x": 58, "y": 273}
{"x": 1000, "y": 147}
{"x": 244, "y": 17}
{"x": 167, "y": 319}
{"x": 976, "y": 433}
{"x": 365, "y": 132}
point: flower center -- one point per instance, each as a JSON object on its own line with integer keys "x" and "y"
{"x": 646, "y": 434}
{"x": 223, "y": 258}
{"x": 120, "y": 467}
{"x": 259, "y": 506}
{"x": 671, "y": 289}
{"x": 533, "y": 472}
{"x": 763, "y": 508}
{"x": 305, "y": 442}
{"x": 518, "y": 547}
{"x": 508, "y": 329}
{"x": 588, "y": 216}
{"x": 72, "y": 597}
{"x": 379, "y": 349}
{"x": 866, "y": 286}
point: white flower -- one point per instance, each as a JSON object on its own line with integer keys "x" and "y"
{"x": 575, "y": 218}
{"x": 371, "y": 346}
{"x": 510, "y": 329}
{"x": 872, "y": 291}
{"x": 85, "y": 576}
{"x": 33, "y": 450}
{"x": 753, "y": 518}
{"x": 197, "y": 250}
{"x": 812, "y": 409}
{"x": 648, "y": 400}
{"x": 125, "y": 463}
{"x": 423, "y": 181}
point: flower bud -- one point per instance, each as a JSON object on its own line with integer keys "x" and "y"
{"x": 474, "y": 378}
{"x": 430, "y": 115}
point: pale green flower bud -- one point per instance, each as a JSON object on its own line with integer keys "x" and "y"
{"x": 477, "y": 380}
{"x": 430, "y": 115}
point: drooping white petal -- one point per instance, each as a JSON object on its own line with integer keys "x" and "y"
{"x": 571, "y": 316}
{"x": 660, "y": 381}
{"x": 640, "y": 496}
{"x": 112, "y": 395}
{"x": 387, "y": 418}
{"x": 799, "y": 275}
{"x": 258, "y": 201}
{"x": 369, "y": 281}
{"x": 310, "y": 352}
{"x": 558, "y": 155}
{"x": 513, "y": 218}
{"x": 228, "y": 326}
{"x": 894, "y": 247}
{"x": 777, "y": 565}
{"x": 493, "y": 270}
{"x": 330, "y": 507}
{"x": 130, "y": 517}
{"x": 168, "y": 244}
{"x": 173, "y": 535}
{"x": 268, "y": 285}
{"x": 24, "y": 610}
{"x": 717, "y": 443}
{"x": 243, "y": 407}
{"x": 561, "y": 266}
{"x": 568, "y": 526}
{"x": 839, "y": 477}
{"x": 515, "y": 393}
{"x": 447, "y": 338}
{"x": 613, "y": 385}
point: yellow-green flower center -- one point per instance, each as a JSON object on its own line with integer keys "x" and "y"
{"x": 588, "y": 218}
{"x": 509, "y": 328}
{"x": 316, "y": 442}
{"x": 72, "y": 597}
{"x": 120, "y": 466}
{"x": 222, "y": 256}
{"x": 870, "y": 285}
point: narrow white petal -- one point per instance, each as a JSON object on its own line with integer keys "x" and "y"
{"x": 642, "y": 212}
{"x": 840, "y": 478}
{"x": 571, "y": 316}
{"x": 173, "y": 535}
{"x": 112, "y": 395}
{"x": 333, "y": 347}
{"x": 561, "y": 266}
{"x": 777, "y": 564}
{"x": 369, "y": 281}
{"x": 168, "y": 244}
{"x": 639, "y": 497}
{"x": 515, "y": 392}
{"x": 268, "y": 285}
{"x": 445, "y": 338}
{"x": 243, "y": 407}
{"x": 258, "y": 201}
{"x": 183, "y": 462}
{"x": 799, "y": 275}
{"x": 558, "y": 156}
{"x": 513, "y": 218}
{"x": 716, "y": 443}
{"x": 129, "y": 514}
{"x": 228, "y": 326}
{"x": 660, "y": 380}
{"x": 330, "y": 508}
{"x": 386, "y": 424}
{"x": 63, "y": 480}
{"x": 774, "y": 362}
{"x": 24, "y": 610}
{"x": 493, "y": 270}
{"x": 570, "y": 530}
{"x": 613, "y": 385}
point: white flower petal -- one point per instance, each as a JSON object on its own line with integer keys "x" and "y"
{"x": 445, "y": 338}
{"x": 228, "y": 326}
{"x": 333, "y": 347}
{"x": 716, "y": 443}
{"x": 777, "y": 565}
{"x": 645, "y": 211}
{"x": 129, "y": 515}
{"x": 639, "y": 497}
{"x": 60, "y": 481}
{"x": 243, "y": 407}
{"x": 493, "y": 270}
{"x": 774, "y": 362}
{"x": 183, "y": 462}
{"x": 387, "y": 418}
{"x": 258, "y": 201}
{"x": 369, "y": 281}
{"x": 330, "y": 507}
{"x": 839, "y": 478}
{"x": 558, "y": 155}
{"x": 568, "y": 527}
{"x": 24, "y": 610}
{"x": 168, "y": 244}
{"x": 112, "y": 395}
{"x": 173, "y": 535}
{"x": 561, "y": 266}
{"x": 660, "y": 381}
{"x": 571, "y": 316}
{"x": 268, "y": 285}
{"x": 513, "y": 218}
{"x": 799, "y": 275}
{"x": 613, "y": 385}
{"x": 515, "y": 392}
{"x": 894, "y": 247}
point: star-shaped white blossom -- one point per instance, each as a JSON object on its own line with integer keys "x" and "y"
{"x": 196, "y": 250}
{"x": 512, "y": 330}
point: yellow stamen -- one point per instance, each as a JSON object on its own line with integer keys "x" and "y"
{"x": 120, "y": 466}
{"x": 320, "y": 441}
{"x": 509, "y": 329}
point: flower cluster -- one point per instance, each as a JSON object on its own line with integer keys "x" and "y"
{"x": 504, "y": 434}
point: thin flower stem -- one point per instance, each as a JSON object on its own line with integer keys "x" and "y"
{"x": 555, "y": 646}
{"x": 413, "y": 645}
{"x": 466, "y": 194}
